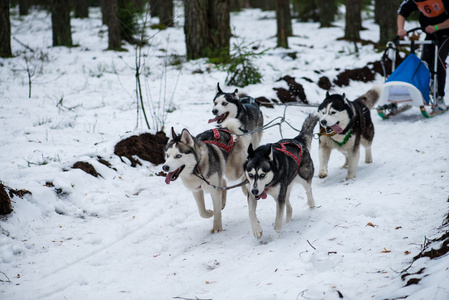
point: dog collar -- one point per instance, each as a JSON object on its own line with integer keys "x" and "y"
{"x": 323, "y": 132}
{"x": 345, "y": 140}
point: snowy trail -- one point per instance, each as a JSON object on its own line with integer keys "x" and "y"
{"x": 128, "y": 235}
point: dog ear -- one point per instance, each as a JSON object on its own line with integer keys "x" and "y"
{"x": 345, "y": 99}
{"x": 236, "y": 91}
{"x": 269, "y": 153}
{"x": 218, "y": 88}
{"x": 327, "y": 94}
{"x": 187, "y": 138}
{"x": 250, "y": 150}
{"x": 173, "y": 134}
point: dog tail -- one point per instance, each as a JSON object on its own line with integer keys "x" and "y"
{"x": 370, "y": 98}
{"x": 308, "y": 126}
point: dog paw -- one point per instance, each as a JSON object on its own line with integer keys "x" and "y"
{"x": 207, "y": 214}
{"x": 216, "y": 230}
{"x": 278, "y": 229}
{"x": 257, "y": 232}
{"x": 322, "y": 175}
{"x": 350, "y": 177}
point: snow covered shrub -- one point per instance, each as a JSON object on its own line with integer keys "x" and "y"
{"x": 241, "y": 70}
{"x": 35, "y": 60}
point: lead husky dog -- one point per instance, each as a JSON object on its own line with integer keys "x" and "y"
{"x": 202, "y": 162}
{"x": 272, "y": 168}
{"x": 245, "y": 109}
{"x": 344, "y": 125}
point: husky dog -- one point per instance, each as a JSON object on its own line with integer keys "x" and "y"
{"x": 344, "y": 125}
{"x": 272, "y": 168}
{"x": 241, "y": 107}
{"x": 202, "y": 162}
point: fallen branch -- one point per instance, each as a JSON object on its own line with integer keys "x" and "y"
{"x": 311, "y": 245}
{"x": 26, "y": 46}
{"x": 8, "y": 280}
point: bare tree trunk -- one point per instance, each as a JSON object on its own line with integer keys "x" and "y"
{"x": 263, "y": 4}
{"x": 82, "y": 9}
{"x": 166, "y": 13}
{"x": 196, "y": 28}
{"x": 5, "y": 29}
{"x": 104, "y": 13}
{"x": 207, "y": 28}
{"x": 377, "y": 11}
{"x": 111, "y": 11}
{"x": 327, "y": 11}
{"x": 60, "y": 20}
{"x": 387, "y": 20}
{"x": 284, "y": 24}
{"x": 24, "y": 7}
{"x": 236, "y": 5}
{"x": 154, "y": 7}
{"x": 220, "y": 28}
{"x": 353, "y": 20}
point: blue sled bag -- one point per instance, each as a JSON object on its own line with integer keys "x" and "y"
{"x": 413, "y": 71}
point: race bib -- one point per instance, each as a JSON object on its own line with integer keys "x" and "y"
{"x": 431, "y": 8}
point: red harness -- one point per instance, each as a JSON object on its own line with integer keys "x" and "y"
{"x": 216, "y": 141}
{"x": 296, "y": 158}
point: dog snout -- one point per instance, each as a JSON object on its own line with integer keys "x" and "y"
{"x": 255, "y": 192}
{"x": 323, "y": 122}
{"x": 165, "y": 168}
{"x": 215, "y": 111}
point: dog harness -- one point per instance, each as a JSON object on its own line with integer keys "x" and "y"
{"x": 284, "y": 150}
{"x": 228, "y": 149}
{"x": 296, "y": 158}
{"x": 216, "y": 141}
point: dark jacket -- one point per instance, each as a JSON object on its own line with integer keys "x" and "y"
{"x": 408, "y": 6}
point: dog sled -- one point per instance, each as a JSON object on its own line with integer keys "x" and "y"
{"x": 412, "y": 83}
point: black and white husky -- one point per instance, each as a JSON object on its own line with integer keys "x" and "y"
{"x": 272, "y": 168}
{"x": 344, "y": 125}
{"x": 240, "y": 107}
{"x": 202, "y": 162}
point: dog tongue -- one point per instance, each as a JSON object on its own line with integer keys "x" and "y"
{"x": 214, "y": 119}
{"x": 169, "y": 177}
{"x": 336, "y": 129}
{"x": 263, "y": 195}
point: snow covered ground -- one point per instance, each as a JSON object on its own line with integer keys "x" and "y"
{"x": 128, "y": 235}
